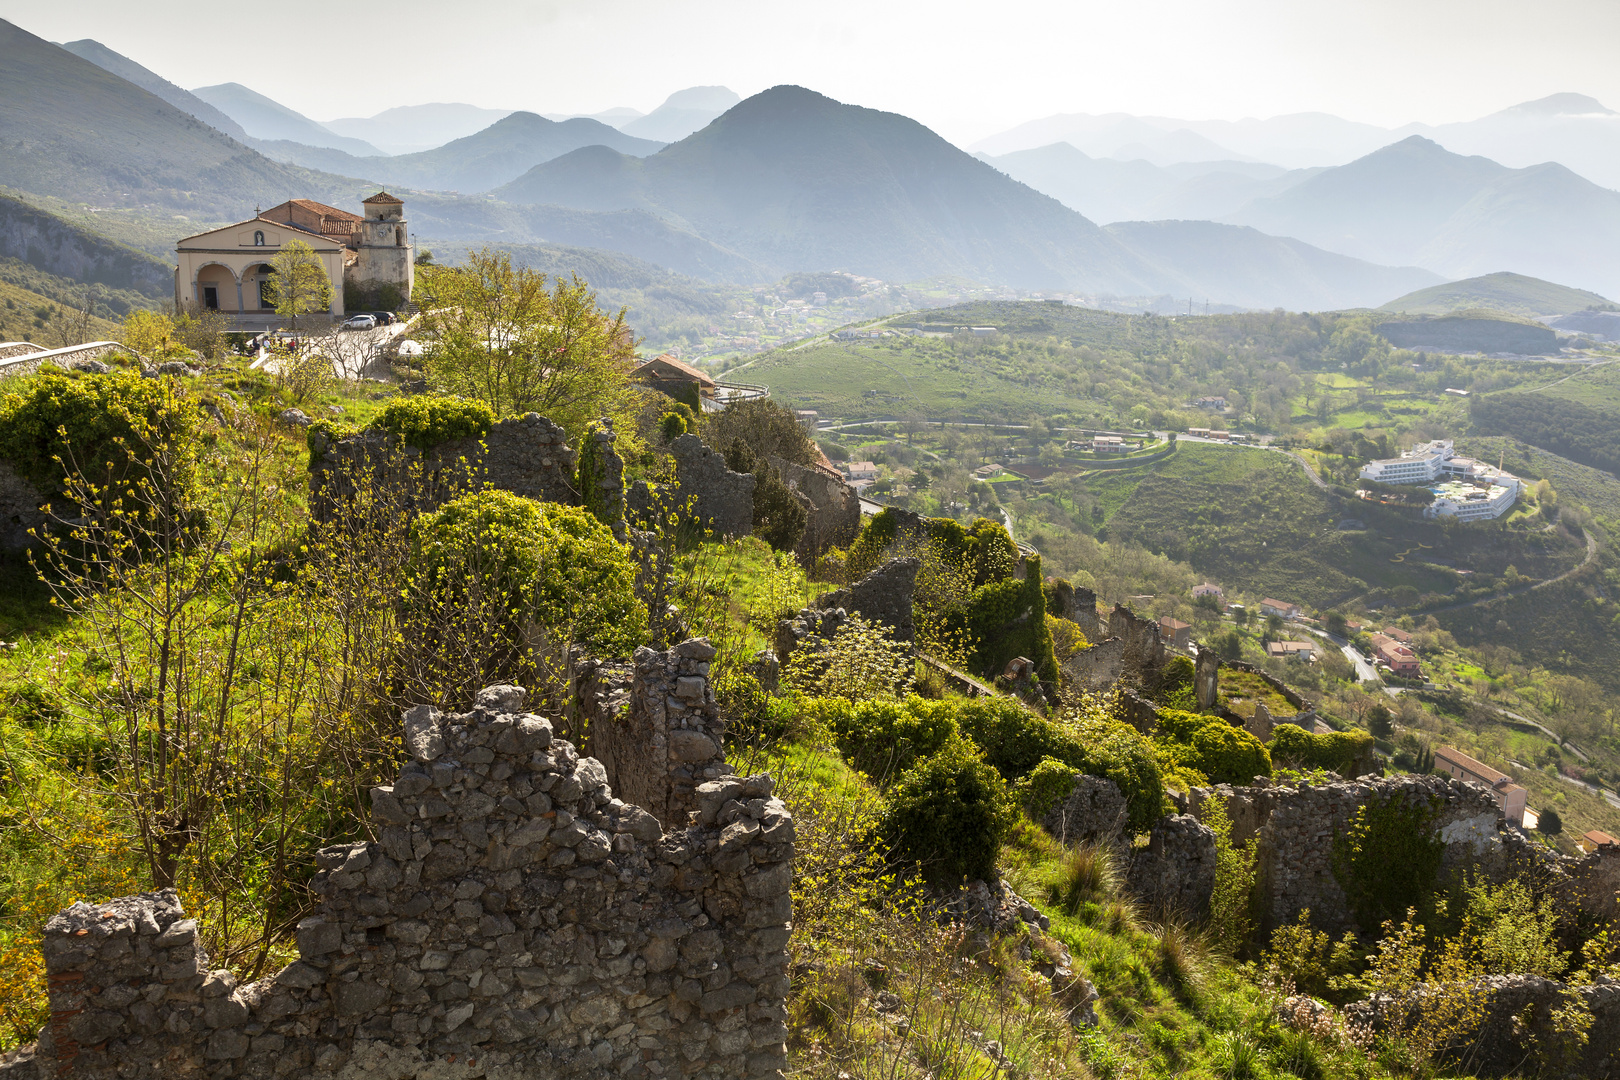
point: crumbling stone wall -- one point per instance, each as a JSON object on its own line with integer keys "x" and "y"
{"x": 720, "y": 499}
{"x": 1075, "y": 603}
{"x": 526, "y": 455}
{"x": 1096, "y": 667}
{"x": 1176, "y": 871}
{"x": 1519, "y": 1021}
{"x": 883, "y": 596}
{"x": 833, "y": 508}
{"x": 1144, "y": 652}
{"x": 513, "y": 920}
{"x": 661, "y": 737}
{"x": 1095, "y": 812}
{"x": 1296, "y": 827}
{"x": 20, "y": 511}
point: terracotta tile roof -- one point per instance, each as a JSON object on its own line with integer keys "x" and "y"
{"x": 321, "y": 209}
{"x": 1597, "y": 838}
{"x": 671, "y": 365}
{"x": 1471, "y": 765}
{"x": 384, "y": 197}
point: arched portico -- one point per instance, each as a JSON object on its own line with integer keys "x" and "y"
{"x": 216, "y": 287}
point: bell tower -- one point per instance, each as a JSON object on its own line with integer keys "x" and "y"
{"x": 385, "y": 255}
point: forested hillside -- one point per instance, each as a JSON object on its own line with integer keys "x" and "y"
{"x": 1575, "y": 430}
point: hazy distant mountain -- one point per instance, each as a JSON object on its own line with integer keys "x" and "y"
{"x": 153, "y": 83}
{"x": 798, "y": 181}
{"x": 1415, "y": 202}
{"x": 684, "y": 112}
{"x": 1104, "y": 189}
{"x": 614, "y": 118}
{"x": 504, "y": 150}
{"x": 407, "y": 129}
{"x": 639, "y": 233}
{"x": 1514, "y": 294}
{"x": 76, "y": 131}
{"x": 263, "y": 118}
{"x": 1231, "y": 264}
{"x": 1571, "y": 129}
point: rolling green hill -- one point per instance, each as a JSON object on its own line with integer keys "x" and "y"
{"x": 150, "y": 81}
{"x": 72, "y": 130}
{"x": 1513, "y": 294}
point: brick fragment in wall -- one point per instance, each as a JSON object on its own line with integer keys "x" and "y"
{"x": 516, "y": 919}
{"x": 526, "y": 455}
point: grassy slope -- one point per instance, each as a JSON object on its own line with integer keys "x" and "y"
{"x": 1514, "y": 294}
{"x": 38, "y": 316}
{"x": 1251, "y": 519}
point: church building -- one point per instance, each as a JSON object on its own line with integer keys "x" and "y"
{"x": 227, "y": 269}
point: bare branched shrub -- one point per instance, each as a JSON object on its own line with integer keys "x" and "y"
{"x": 860, "y": 663}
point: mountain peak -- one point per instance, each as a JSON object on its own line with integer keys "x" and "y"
{"x": 711, "y": 98}
{"x": 1561, "y": 105}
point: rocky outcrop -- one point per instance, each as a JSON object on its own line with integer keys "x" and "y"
{"x": 514, "y": 920}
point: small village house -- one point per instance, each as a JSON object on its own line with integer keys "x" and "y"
{"x": 1174, "y": 632}
{"x": 1401, "y": 659}
{"x": 1593, "y": 839}
{"x": 1290, "y": 650}
{"x": 1281, "y": 608}
{"x": 670, "y": 376}
{"x": 1509, "y": 796}
{"x": 861, "y": 470}
{"x": 1206, "y": 589}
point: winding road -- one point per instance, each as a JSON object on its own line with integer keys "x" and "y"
{"x": 1591, "y": 553}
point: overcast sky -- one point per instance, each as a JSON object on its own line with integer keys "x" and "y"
{"x": 967, "y": 69}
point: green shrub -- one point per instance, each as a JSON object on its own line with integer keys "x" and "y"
{"x": 1048, "y": 784}
{"x": 949, "y": 814}
{"x": 885, "y": 738}
{"x": 1212, "y": 746}
{"x": 1008, "y": 619}
{"x": 672, "y": 426}
{"x": 1300, "y": 748}
{"x": 1014, "y": 739}
{"x": 1175, "y": 690}
{"x": 104, "y": 425}
{"x": 540, "y": 564}
{"x": 427, "y": 420}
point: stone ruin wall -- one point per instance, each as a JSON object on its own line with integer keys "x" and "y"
{"x": 1132, "y": 652}
{"x": 526, "y": 455}
{"x": 832, "y": 508}
{"x": 1296, "y": 827}
{"x": 654, "y": 725}
{"x": 514, "y": 919}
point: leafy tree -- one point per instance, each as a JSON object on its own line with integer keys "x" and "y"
{"x": 298, "y": 282}
{"x": 1550, "y": 823}
{"x": 1380, "y": 721}
{"x": 502, "y": 334}
{"x": 768, "y": 429}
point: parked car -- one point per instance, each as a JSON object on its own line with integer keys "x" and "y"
{"x": 360, "y": 322}
{"x": 384, "y": 318}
